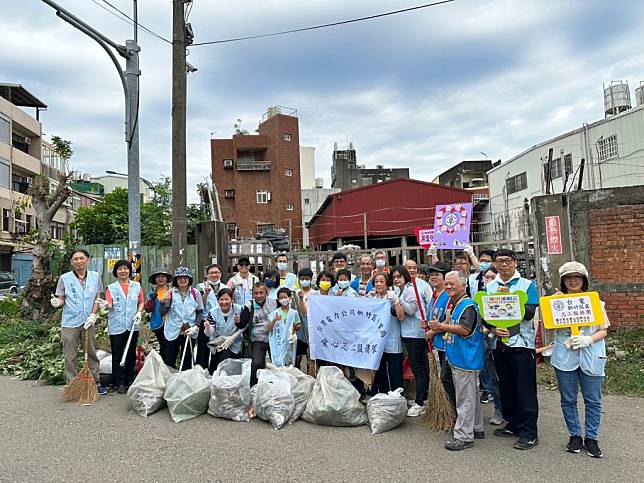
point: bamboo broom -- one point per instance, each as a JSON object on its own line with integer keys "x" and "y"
{"x": 82, "y": 389}
{"x": 440, "y": 412}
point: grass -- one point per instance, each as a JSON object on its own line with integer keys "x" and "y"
{"x": 624, "y": 376}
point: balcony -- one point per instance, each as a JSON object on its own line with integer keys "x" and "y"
{"x": 252, "y": 165}
{"x": 26, "y": 162}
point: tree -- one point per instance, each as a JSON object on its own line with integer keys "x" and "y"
{"x": 198, "y": 212}
{"x": 45, "y": 204}
{"x": 106, "y": 222}
{"x": 238, "y": 129}
{"x": 156, "y": 216}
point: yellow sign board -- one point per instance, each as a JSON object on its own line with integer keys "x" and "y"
{"x": 571, "y": 310}
{"x": 111, "y": 262}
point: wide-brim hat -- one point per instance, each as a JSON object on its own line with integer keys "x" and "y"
{"x": 182, "y": 272}
{"x": 573, "y": 268}
{"x": 440, "y": 267}
{"x": 159, "y": 271}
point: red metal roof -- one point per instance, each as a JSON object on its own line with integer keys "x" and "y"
{"x": 393, "y": 208}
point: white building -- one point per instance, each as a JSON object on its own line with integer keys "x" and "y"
{"x": 312, "y": 199}
{"x": 112, "y": 181}
{"x": 613, "y": 154}
{"x": 307, "y": 167}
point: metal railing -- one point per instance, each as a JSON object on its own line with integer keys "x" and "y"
{"x": 247, "y": 165}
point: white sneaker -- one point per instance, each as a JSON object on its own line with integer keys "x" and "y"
{"x": 410, "y": 402}
{"x": 415, "y": 410}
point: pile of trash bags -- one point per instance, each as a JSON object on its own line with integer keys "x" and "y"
{"x": 334, "y": 401}
{"x": 273, "y": 401}
{"x": 188, "y": 393}
{"x": 145, "y": 395}
{"x": 230, "y": 390}
{"x": 386, "y": 411}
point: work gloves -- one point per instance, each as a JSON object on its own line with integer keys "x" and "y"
{"x": 579, "y": 341}
{"x": 392, "y": 297}
{"x": 192, "y": 331}
{"x": 91, "y": 320}
{"x": 136, "y": 322}
{"x": 55, "y": 301}
{"x": 103, "y": 304}
{"x": 468, "y": 249}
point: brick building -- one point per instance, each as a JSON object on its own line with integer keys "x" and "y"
{"x": 258, "y": 177}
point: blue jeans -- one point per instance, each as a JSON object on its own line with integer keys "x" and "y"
{"x": 591, "y": 390}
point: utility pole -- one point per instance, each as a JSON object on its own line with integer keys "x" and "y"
{"x": 130, "y": 82}
{"x": 179, "y": 196}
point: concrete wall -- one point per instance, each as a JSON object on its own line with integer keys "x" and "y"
{"x": 307, "y": 167}
{"x": 603, "y": 229}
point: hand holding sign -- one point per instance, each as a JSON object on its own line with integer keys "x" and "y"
{"x": 502, "y": 309}
{"x": 561, "y": 311}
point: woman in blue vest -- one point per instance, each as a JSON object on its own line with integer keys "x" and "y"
{"x": 579, "y": 361}
{"x": 283, "y": 324}
{"x": 223, "y": 327}
{"x": 413, "y": 336}
{"x": 183, "y": 306}
{"x": 161, "y": 278}
{"x": 242, "y": 282}
{"x": 390, "y": 373}
{"x": 125, "y": 304}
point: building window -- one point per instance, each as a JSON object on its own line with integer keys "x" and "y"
{"x": 354, "y": 181}
{"x": 5, "y": 219}
{"x": 4, "y": 173}
{"x": 516, "y": 183}
{"x": 289, "y": 206}
{"x": 264, "y": 227}
{"x": 306, "y": 201}
{"x": 76, "y": 202}
{"x": 568, "y": 163}
{"x": 229, "y": 193}
{"x": 555, "y": 169}
{"x": 288, "y": 172}
{"x": 28, "y": 219}
{"x": 228, "y": 163}
{"x": 262, "y": 196}
{"x": 5, "y": 130}
{"x": 287, "y": 136}
{"x": 57, "y": 230}
{"x": 607, "y": 148}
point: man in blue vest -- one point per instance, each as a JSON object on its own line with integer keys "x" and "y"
{"x": 287, "y": 279}
{"x": 515, "y": 360}
{"x": 77, "y": 293}
{"x": 464, "y": 351}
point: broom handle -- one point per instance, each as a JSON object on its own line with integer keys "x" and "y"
{"x": 85, "y": 344}
{"x": 127, "y": 347}
{"x": 422, "y": 312}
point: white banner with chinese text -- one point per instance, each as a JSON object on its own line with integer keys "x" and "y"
{"x": 348, "y": 330}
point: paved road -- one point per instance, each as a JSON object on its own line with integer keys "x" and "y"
{"x": 44, "y": 439}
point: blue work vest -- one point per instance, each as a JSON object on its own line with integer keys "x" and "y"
{"x": 466, "y": 353}
{"x": 591, "y": 359}
{"x": 225, "y": 326}
{"x": 211, "y": 300}
{"x": 473, "y": 283}
{"x": 156, "y": 320}
{"x": 410, "y": 325}
{"x": 437, "y": 311}
{"x": 290, "y": 281}
{"x": 241, "y": 296}
{"x": 282, "y": 353}
{"x": 526, "y": 336}
{"x": 79, "y": 301}
{"x": 355, "y": 285}
{"x": 119, "y": 317}
{"x": 181, "y": 312}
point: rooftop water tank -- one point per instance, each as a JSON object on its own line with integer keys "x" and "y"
{"x": 617, "y": 98}
{"x": 319, "y": 182}
{"x": 639, "y": 94}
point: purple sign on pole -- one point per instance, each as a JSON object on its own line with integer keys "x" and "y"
{"x": 452, "y": 225}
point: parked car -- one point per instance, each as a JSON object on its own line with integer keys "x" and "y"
{"x": 8, "y": 284}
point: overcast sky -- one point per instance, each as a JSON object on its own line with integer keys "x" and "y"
{"x": 424, "y": 89}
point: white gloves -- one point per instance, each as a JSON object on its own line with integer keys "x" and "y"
{"x": 192, "y": 331}
{"x": 103, "y": 304}
{"x": 55, "y": 301}
{"x": 136, "y": 322}
{"x": 227, "y": 343}
{"x": 579, "y": 341}
{"x": 468, "y": 249}
{"x": 392, "y": 297}
{"x": 431, "y": 251}
{"x": 292, "y": 338}
{"x": 91, "y": 320}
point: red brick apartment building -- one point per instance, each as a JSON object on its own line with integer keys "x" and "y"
{"x": 258, "y": 177}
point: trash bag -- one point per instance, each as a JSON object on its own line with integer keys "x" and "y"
{"x": 230, "y": 390}
{"x": 301, "y": 391}
{"x": 334, "y": 401}
{"x": 386, "y": 411}
{"x": 145, "y": 395}
{"x": 188, "y": 393}
{"x": 273, "y": 400}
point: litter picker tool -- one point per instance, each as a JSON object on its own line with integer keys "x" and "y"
{"x": 183, "y": 354}
{"x": 82, "y": 389}
{"x": 127, "y": 347}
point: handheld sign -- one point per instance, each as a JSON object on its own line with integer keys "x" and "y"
{"x": 452, "y": 225}
{"x": 502, "y": 309}
{"x": 424, "y": 236}
{"x": 571, "y": 310}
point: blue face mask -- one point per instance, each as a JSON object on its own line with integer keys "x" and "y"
{"x": 270, "y": 283}
{"x": 485, "y": 266}
{"x": 281, "y": 266}
{"x": 306, "y": 283}
{"x": 343, "y": 284}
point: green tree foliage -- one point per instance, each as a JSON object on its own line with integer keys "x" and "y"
{"x": 156, "y": 221}
{"x": 105, "y": 222}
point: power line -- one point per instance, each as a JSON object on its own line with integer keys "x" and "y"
{"x": 332, "y": 24}
{"x": 131, "y": 20}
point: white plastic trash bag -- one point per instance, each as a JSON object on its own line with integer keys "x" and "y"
{"x": 273, "y": 400}
{"x": 386, "y": 411}
{"x": 146, "y": 392}
{"x": 334, "y": 401}
{"x": 301, "y": 391}
{"x": 188, "y": 393}
{"x": 230, "y": 390}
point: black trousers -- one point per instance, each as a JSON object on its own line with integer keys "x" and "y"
{"x": 162, "y": 342}
{"x": 203, "y": 351}
{"x": 390, "y": 373}
{"x": 259, "y": 359}
{"x": 417, "y": 352}
{"x": 123, "y": 376}
{"x": 217, "y": 357}
{"x": 174, "y": 348}
{"x": 446, "y": 379}
{"x": 517, "y": 371}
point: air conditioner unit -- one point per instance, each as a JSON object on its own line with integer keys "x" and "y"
{"x": 30, "y": 180}
{"x": 22, "y": 139}
{"x": 268, "y": 196}
{"x": 228, "y": 163}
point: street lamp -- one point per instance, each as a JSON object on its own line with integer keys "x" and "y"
{"x": 149, "y": 184}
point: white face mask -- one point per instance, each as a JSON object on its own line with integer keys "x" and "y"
{"x": 305, "y": 283}
{"x": 343, "y": 284}
{"x": 380, "y": 263}
{"x": 281, "y": 266}
{"x": 284, "y": 302}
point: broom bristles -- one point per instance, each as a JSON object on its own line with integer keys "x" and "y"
{"x": 440, "y": 412}
{"x": 82, "y": 389}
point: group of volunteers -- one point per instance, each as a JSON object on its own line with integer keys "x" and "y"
{"x": 431, "y": 308}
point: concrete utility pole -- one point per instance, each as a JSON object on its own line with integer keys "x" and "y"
{"x": 130, "y": 82}
{"x": 179, "y": 196}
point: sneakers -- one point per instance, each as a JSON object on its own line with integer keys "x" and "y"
{"x": 479, "y": 435}
{"x": 121, "y": 390}
{"x": 486, "y": 397}
{"x": 525, "y": 443}
{"x": 101, "y": 390}
{"x": 415, "y": 410}
{"x": 497, "y": 419}
{"x": 503, "y": 432}
{"x": 592, "y": 447}
{"x": 410, "y": 402}
{"x": 575, "y": 443}
{"x": 458, "y": 445}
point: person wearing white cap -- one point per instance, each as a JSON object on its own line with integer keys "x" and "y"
{"x": 579, "y": 361}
